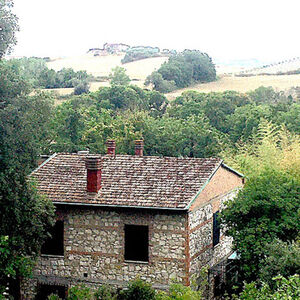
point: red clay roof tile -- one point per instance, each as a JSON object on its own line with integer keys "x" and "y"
{"x": 147, "y": 181}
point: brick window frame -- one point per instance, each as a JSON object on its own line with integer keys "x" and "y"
{"x": 140, "y": 220}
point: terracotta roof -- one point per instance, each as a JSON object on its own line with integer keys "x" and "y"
{"x": 147, "y": 181}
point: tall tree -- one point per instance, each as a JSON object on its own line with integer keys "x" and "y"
{"x": 25, "y": 216}
{"x": 118, "y": 76}
{"x": 265, "y": 210}
{"x": 8, "y": 27}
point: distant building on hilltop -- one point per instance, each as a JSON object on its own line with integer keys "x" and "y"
{"x": 109, "y": 48}
{"x": 115, "y": 48}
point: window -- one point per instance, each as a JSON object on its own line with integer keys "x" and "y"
{"x": 44, "y": 290}
{"x": 54, "y": 245}
{"x": 136, "y": 243}
{"x": 216, "y": 229}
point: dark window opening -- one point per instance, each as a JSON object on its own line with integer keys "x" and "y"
{"x": 216, "y": 229}
{"x": 44, "y": 290}
{"x": 218, "y": 286}
{"x": 54, "y": 245}
{"x": 136, "y": 243}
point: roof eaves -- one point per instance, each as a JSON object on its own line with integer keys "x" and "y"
{"x": 118, "y": 206}
{"x": 48, "y": 159}
{"x": 232, "y": 170}
{"x": 204, "y": 185}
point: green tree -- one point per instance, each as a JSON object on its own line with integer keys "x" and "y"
{"x": 282, "y": 258}
{"x": 272, "y": 146}
{"x": 8, "y": 26}
{"x": 160, "y": 84}
{"x": 245, "y": 121}
{"x": 285, "y": 289}
{"x": 11, "y": 84}
{"x": 118, "y": 76}
{"x": 183, "y": 69}
{"x": 25, "y": 215}
{"x": 265, "y": 210}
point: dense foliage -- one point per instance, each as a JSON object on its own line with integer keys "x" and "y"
{"x": 137, "y": 53}
{"x": 193, "y": 125}
{"x": 285, "y": 289}
{"x": 265, "y": 210}
{"x": 181, "y": 70}
{"x": 25, "y": 215}
{"x": 8, "y": 27}
{"x": 35, "y": 72}
{"x": 244, "y": 128}
{"x": 137, "y": 289}
{"x": 118, "y": 76}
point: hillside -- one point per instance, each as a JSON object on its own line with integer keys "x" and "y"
{"x": 242, "y": 84}
{"x": 139, "y": 70}
{"x": 102, "y": 65}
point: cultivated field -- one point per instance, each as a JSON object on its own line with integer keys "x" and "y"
{"x": 139, "y": 70}
{"x": 242, "y": 84}
{"x": 102, "y": 65}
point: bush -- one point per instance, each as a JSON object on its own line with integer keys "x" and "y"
{"x": 80, "y": 292}
{"x": 179, "y": 292}
{"x": 105, "y": 293}
{"x": 286, "y": 289}
{"x": 53, "y": 297}
{"x": 138, "y": 290}
{"x": 81, "y": 88}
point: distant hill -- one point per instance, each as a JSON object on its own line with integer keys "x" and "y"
{"x": 257, "y": 67}
{"x": 139, "y": 70}
{"x": 102, "y": 65}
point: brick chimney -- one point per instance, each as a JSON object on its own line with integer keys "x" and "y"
{"x": 111, "y": 147}
{"x": 93, "y": 166}
{"x": 138, "y": 148}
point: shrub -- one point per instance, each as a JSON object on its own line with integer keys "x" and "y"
{"x": 80, "y": 292}
{"x": 138, "y": 290}
{"x": 81, "y": 88}
{"x": 286, "y": 289}
{"x": 53, "y": 297}
{"x": 179, "y": 292}
{"x": 105, "y": 293}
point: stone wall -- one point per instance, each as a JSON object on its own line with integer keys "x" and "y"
{"x": 202, "y": 251}
{"x": 94, "y": 249}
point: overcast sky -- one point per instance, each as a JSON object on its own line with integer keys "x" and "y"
{"x": 225, "y": 29}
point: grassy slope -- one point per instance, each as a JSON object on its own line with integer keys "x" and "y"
{"x": 139, "y": 70}
{"x": 242, "y": 84}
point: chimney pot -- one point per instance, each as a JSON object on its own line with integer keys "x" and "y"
{"x": 139, "y": 147}
{"x": 93, "y": 166}
{"x": 111, "y": 147}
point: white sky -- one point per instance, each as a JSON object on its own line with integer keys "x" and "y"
{"x": 225, "y": 29}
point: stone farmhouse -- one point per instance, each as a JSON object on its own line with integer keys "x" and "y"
{"x": 123, "y": 216}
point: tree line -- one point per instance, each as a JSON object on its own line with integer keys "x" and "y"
{"x": 35, "y": 71}
{"x": 181, "y": 70}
